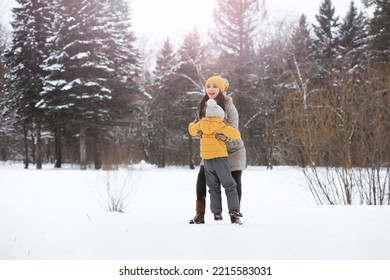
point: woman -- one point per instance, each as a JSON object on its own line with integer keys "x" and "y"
{"x": 216, "y": 87}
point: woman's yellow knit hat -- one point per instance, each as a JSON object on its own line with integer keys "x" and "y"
{"x": 221, "y": 83}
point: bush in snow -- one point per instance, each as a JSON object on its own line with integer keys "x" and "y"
{"x": 116, "y": 189}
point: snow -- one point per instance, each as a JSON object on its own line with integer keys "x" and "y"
{"x": 60, "y": 214}
{"x": 91, "y": 84}
{"x": 70, "y": 85}
{"x": 81, "y": 55}
{"x": 56, "y": 83}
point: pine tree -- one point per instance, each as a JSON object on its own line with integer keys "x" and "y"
{"x": 120, "y": 49}
{"x": 236, "y": 26}
{"x": 164, "y": 105}
{"x": 353, "y": 39}
{"x": 327, "y": 38}
{"x": 124, "y": 105}
{"x": 166, "y": 67}
{"x": 301, "y": 41}
{"x": 76, "y": 89}
{"x": 6, "y": 129}
{"x": 3, "y": 42}
{"x": 24, "y": 81}
{"x": 192, "y": 64}
{"x": 380, "y": 30}
{"x": 91, "y": 69}
{"x": 236, "y": 23}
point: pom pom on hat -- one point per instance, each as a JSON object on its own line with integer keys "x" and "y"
{"x": 221, "y": 83}
{"x": 213, "y": 110}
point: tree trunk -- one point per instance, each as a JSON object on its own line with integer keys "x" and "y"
{"x": 3, "y": 150}
{"x": 57, "y": 136}
{"x": 163, "y": 148}
{"x": 25, "y": 133}
{"x": 33, "y": 143}
{"x": 98, "y": 148}
{"x": 83, "y": 153}
{"x": 38, "y": 150}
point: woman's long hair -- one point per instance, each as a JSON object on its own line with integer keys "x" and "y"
{"x": 202, "y": 104}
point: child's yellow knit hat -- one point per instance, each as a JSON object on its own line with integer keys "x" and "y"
{"x": 221, "y": 83}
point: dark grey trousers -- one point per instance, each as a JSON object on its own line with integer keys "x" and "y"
{"x": 218, "y": 172}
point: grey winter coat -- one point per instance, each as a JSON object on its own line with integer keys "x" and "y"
{"x": 236, "y": 148}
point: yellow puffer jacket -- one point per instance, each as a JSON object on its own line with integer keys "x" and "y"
{"x": 210, "y": 146}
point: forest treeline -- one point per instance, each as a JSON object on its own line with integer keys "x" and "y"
{"x": 75, "y": 89}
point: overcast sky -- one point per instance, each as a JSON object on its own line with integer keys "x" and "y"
{"x": 175, "y": 18}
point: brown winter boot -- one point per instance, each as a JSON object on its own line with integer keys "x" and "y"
{"x": 235, "y": 217}
{"x": 200, "y": 210}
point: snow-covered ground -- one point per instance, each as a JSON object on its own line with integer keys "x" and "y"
{"x": 59, "y": 214}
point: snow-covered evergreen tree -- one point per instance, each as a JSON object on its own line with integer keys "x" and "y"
{"x": 164, "y": 105}
{"x": 24, "y": 79}
{"x": 327, "y": 38}
{"x": 380, "y": 30}
{"x": 92, "y": 66}
{"x": 192, "y": 60}
{"x": 353, "y": 39}
{"x": 7, "y": 135}
{"x": 301, "y": 41}
{"x": 120, "y": 50}
{"x": 77, "y": 90}
{"x": 166, "y": 64}
{"x": 73, "y": 62}
{"x": 85, "y": 67}
{"x": 191, "y": 71}
{"x": 236, "y": 23}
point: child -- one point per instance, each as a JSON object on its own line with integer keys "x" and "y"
{"x": 214, "y": 153}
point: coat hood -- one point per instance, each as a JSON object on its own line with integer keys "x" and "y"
{"x": 210, "y": 125}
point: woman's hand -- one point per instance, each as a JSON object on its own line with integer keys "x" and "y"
{"x": 221, "y": 137}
